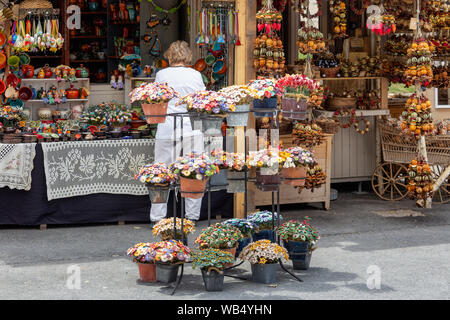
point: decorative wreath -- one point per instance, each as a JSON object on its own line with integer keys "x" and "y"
{"x": 364, "y": 6}
{"x": 345, "y": 113}
{"x": 302, "y": 8}
{"x": 366, "y": 128}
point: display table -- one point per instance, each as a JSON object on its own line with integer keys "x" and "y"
{"x": 20, "y": 207}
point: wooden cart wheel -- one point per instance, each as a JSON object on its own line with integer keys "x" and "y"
{"x": 389, "y": 181}
{"x": 441, "y": 195}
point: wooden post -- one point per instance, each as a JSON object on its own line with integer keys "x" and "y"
{"x": 243, "y": 73}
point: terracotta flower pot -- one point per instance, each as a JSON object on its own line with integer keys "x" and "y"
{"x": 294, "y": 176}
{"x": 155, "y": 109}
{"x": 192, "y": 185}
{"x": 147, "y": 272}
{"x": 233, "y": 252}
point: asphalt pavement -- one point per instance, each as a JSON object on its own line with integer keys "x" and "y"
{"x": 369, "y": 249}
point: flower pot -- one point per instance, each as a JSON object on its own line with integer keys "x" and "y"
{"x": 268, "y": 182}
{"x": 242, "y": 244}
{"x": 266, "y": 103}
{"x": 236, "y": 182}
{"x": 294, "y": 176}
{"x": 239, "y": 118}
{"x": 293, "y": 109}
{"x": 265, "y": 273}
{"x": 265, "y": 235}
{"x": 219, "y": 181}
{"x": 158, "y": 194}
{"x": 213, "y": 280}
{"x": 155, "y": 109}
{"x": 233, "y": 252}
{"x": 192, "y": 188}
{"x": 166, "y": 273}
{"x": 147, "y": 272}
{"x": 299, "y": 253}
{"x": 212, "y": 125}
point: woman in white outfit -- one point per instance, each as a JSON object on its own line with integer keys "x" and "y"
{"x": 184, "y": 80}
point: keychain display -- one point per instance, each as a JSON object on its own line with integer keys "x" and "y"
{"x": 36, "y": 33}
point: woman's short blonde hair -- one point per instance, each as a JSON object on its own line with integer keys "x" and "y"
{"x": 179, "y": 53}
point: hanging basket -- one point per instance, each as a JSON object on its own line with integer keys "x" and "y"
{"x": 266, "y": 103}
{"x": 158, "y": 193}
{"x": 293, "y": 108}
{"x": 239, "y": 118}
{"x": 155, "y": 109}
{"x": 147, "y": 272}
{"x": 211, "y": 124}
{"x": 36, "y": 4}
{"x": 294, "y": 176}
{"x": 192, "y": 188}
{"x": 267, "y": 182}
{"x": 236, "y": 182}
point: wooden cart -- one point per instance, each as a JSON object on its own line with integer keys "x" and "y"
{"x": 390, "y": 177}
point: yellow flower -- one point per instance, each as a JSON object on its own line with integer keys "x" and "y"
{"x": 262, "y": 260}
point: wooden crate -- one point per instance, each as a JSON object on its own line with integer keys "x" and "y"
{"x": 289, "y": 194}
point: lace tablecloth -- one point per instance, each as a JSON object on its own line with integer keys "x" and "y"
{"x": 88, "y": 167}
{"x": 16, "y": 164}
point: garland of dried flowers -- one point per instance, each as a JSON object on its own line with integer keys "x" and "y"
{"x": 345, "y": 113}
{"x": 366, "y": 127}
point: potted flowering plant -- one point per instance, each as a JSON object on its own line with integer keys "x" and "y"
{"x": 236, "y": 172}
{"x": 158, "y": 178}
{"x": 165, "y": 228}
{"x": 246, "y": 227}
{"x": 268, "y": 93}
{"x": 193, "y": 171}
{"x": 154, "y": 98}
{"x": 111, "y": 114}
{"x": 267, "y": 163}
{"x": 212, "y": 262}
{"x": 219, "y": 158}
{"x": 298, "y": 91}
{"x": 144, "y": 255}
{"x": 295, "y": 166}
{"x": 299, "y": 239}
{"x": 168, "y": 256}
{"x": 264, "y": 256}
{"x": 220, "y": 236}
{"x": 208, "y": 106}
{"x": 242, "y": 96}
{"x": 265, "y": 221}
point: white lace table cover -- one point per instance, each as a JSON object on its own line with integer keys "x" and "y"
{"x": 88, "y": 167}
{"x": 16, "y": 164}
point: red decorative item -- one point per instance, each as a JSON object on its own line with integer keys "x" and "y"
{"x": 72, "y": 93}
{"x": 48, "y": 73}
{"x": 28, "y": 71}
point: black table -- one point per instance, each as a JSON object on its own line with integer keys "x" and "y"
{"x": 18, "y": 207}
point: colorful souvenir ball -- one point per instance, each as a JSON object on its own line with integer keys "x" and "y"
{"x": 266, "y": 88}
{"x": 263, "y": 219}
{"x": 219, "y": 236}
{"x": 210, "y": 257}
{"x": 153, "y": 92}
{"x": 240, "y": 94}
{"x": 143, "y": 252}
{"x": 209, "y": 102}
{"x": 194, "y": 166}
{"x": 264, "y": 251}
{"x": 171, "y": 251}
{"x": 157, "y": 173}
{"x": 245, "y": 226}
{"x": 297, "y": 157}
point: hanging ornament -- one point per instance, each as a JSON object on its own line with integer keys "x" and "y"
{"x": 339, "y": 11}
{"x": 302, "y": 6}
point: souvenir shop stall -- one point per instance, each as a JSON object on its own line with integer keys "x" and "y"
{"x": 75, "y": 132}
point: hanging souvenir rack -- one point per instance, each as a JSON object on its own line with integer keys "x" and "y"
{"x": 23, "y": 12}
{"x": 229, "y": 4}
